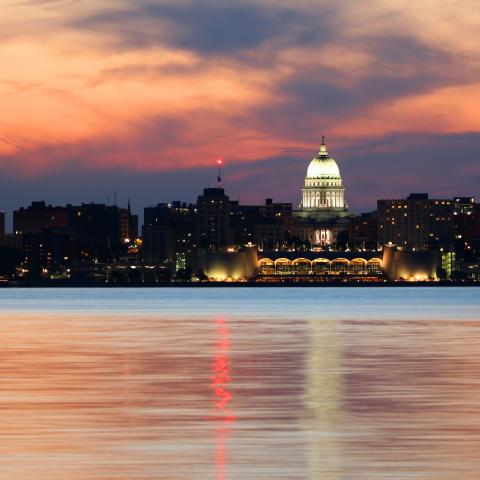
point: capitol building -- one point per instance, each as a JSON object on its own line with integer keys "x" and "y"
{"x": 323, "y": 211}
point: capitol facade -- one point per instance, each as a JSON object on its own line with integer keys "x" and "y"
{"x": 323, "y": 184}
{"x": 323, "y": 211}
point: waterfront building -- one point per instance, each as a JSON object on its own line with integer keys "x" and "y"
{"x": 169, "y": 234}
{"x": 466, "y": 224}
{"x": 362, "y": 231}
{"x": 243, "y": 222}
{"x": 238, "y": 265}
{"x": 268, "y": 225}
{"x": 409, "y": 265}
{"x": 416, "y": 222}
{"x": 46, "y": 252}
{"x": 38, "y": 217}
{"x": 213, "y": 219}
{"x": 97, "y": 231}
{"x": 10, "y": 240}
{"x": 271, "y": 233}
{"x": 2, "y": 224}
{"x": 322, "y": 265}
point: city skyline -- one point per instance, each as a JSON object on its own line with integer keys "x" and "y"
{"x": 239, "y": 239}
{"x": 121, "y": 199}
{"x": 143, "y": 98}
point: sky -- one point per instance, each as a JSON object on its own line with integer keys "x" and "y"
{"x": 141, "y": 97}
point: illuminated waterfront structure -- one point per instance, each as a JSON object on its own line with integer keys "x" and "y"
{"x": 323, "y": 264}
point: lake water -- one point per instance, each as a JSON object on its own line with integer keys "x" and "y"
{"x": 240, "y": 383}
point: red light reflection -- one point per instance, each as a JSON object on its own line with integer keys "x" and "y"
{"x": 219, "y": 383}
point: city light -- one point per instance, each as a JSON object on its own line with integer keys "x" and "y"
{"x": 219, "y": 239}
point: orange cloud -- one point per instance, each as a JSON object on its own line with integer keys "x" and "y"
{"x": 70, "y": 91}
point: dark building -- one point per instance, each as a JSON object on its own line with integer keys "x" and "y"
{"x": 275, "y": 227}
{"x": 416, "y": 222}
{"x": 243, "y": 222}
{"x": 169, "y": 234}
{"x": 46, "y": 252}
{"x": 362, "y": 231}
{"x": 213, "y": 219}
{"x": 441, "y": 224}
{"x": 38, "y": 217}
{"x": 132, "y": 225}
{"x": 270, "y": 234}
{"x": 267, "y": 226}
{"x": 466, "y": 224}
{"x": 97, "y": 231}
{"x": 100, "y": 232}
{"x": 2, "y": 224}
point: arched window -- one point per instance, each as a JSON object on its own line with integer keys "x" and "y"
{"x": 358, "y": 266}
{"x": 374, "y": 266}
{"x": 283, "y": 266}
{"x": 266, "y": 267}
{"x": 302, "y": 266}
{"x": 339, "y": 265}
{"x": 321, "y": 266}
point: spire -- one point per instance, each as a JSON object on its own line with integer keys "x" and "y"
{"x": 129, "y": 209}
{"x": 323, "y": 146}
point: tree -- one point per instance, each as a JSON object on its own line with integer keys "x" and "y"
{"x": 184, "y": 274}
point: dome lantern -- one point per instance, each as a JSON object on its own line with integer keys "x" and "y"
{"x": 323, "y": 166}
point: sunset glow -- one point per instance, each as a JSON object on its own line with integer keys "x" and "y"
{"x": 159, "y": 87}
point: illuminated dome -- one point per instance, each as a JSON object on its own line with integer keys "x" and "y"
{"x": 323, "y": 166}
{"x": 323, "y": 189}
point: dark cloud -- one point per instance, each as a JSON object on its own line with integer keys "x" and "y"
{"x": 316, "y": 98}
{"x": 226, "y": 27}
{"x": 401, "y": 67}
{"x": 209, "y": 27}
{"x": 405, "y": 51}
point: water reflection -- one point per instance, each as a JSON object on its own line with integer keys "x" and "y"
{"x": 324, "y": 408}
{"x": 157, "y": 396}
{"x": 220, "y": 386}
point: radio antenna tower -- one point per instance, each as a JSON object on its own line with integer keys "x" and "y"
{"x": 219, "y": 177}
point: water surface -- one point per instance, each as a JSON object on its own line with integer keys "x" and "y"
{"x": 287, "y": 383}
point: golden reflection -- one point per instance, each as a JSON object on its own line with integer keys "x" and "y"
{"x": 323, "y": 400}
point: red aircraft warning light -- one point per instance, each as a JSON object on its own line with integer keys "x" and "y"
{"x": 219, "y": 178}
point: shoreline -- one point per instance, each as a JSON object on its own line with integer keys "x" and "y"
{"x": 46, "y": 284}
